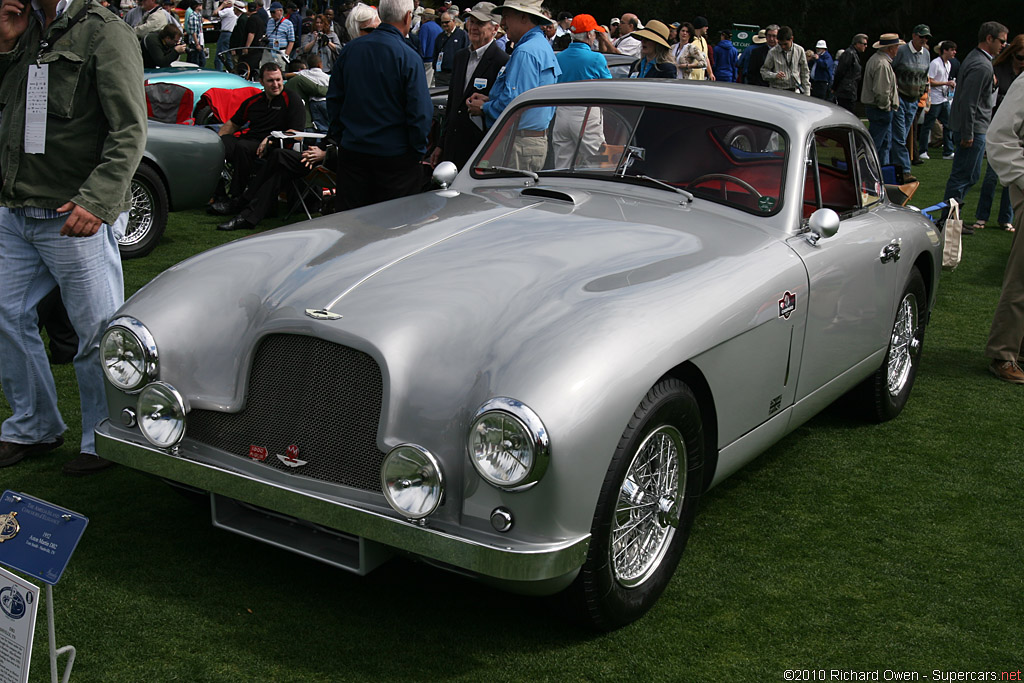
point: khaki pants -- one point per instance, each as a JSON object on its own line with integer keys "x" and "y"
{"x": 1006, "y": 338}
{"x": 529, "y": 153}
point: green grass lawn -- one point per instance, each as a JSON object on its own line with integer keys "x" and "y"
{"x": 846, "y": 546}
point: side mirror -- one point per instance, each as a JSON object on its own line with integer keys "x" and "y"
{"x": 823, "y": 223}
{"x": 444, "y": 174}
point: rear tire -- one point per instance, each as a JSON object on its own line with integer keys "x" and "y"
{"x": 645, "y": 509}
{"x": 147, "y": 217}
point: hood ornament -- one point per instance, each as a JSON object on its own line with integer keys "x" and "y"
{"x": 322, "y": 314}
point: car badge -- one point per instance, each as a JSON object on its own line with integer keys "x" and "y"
{"x": 12, "y": 603}
{"x": 322, "y": 314}
{"x": 292, "y": 457}
{"x": 9, "y": 526}
{"x": 787, "y": 304}
{"x": 258, "y": 453}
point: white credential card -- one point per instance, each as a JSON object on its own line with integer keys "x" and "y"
{"x": 35, "y": 108}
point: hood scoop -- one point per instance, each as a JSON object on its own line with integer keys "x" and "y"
{"x": 548, "y": 193}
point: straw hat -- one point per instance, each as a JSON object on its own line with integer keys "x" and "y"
{"x": 888, "y": 40}
{"x": 759, "y": 38}
{"x": 654, "y": 31}
{"x": 532, "y": 7}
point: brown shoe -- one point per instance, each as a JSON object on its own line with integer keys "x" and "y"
{"x": 13, "y": 453}
{"x": 85, "y": 464}
{"x": 1007, "y": 370}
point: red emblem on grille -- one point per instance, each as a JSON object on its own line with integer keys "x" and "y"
{"x": 292, "y": 451}
{"x": 258, "y": 453}
{"x": 291, "y": 457}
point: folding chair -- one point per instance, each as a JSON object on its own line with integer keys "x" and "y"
{"x": 320, "y": 183}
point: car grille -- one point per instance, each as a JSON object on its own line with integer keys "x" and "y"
{"x": 307, "y": 392}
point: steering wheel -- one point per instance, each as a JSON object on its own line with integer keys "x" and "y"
{"x": 725, "y": 178}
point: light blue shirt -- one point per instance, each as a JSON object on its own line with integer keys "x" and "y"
{"x": 280, "y": 34}
{"x": 580, "y": 63}
{"x": 532, "y": 64}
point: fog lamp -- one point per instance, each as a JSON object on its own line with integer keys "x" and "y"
{"x": 412, "y": 481}
{"x": 161, "y": 414}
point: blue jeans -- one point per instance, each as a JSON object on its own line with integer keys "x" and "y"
{"x": 988, "y": 193}
{"x": 940, "y": 112}
{"x": 902, "y": 120}
{"x": 223, "y": 43}
{"x": 33, "y": 259}
{"x": 966, "y": 168}
{"x": 880, "y": 127}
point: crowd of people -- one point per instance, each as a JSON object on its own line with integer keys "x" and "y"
{"x": 60, "y": 228}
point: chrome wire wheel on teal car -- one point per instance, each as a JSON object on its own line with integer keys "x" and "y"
{"x": 645, "y": 509}
{"x": 647, "y": 514}
{"x": 147, "y": 216}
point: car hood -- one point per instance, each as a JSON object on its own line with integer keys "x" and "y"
{"x": 447, "y": 289}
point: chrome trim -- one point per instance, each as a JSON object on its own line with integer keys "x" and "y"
{"x": 532, "y": 422}
{"x": 434, "y": 462}
{"x": 148, "y": 343}
{"x": 128, "y": 418}
{"x": 180, "y": 400}
{"x": 502, "y": 520}
{"x": 510, "y": 561}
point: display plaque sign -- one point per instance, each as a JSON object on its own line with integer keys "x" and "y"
{"x": 36, "y": 537}
{"x": 18, "y": 602}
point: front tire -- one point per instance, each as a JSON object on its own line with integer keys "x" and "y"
{"x": 890, "y": 386}
{"x": 645, "y": 509}
{"x": 147, "y": 217}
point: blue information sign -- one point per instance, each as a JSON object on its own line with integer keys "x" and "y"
{"x": 36, "y": 537}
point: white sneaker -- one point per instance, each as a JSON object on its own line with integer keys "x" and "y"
{"x": 947, "y": 157}
{"x": 923, "y": 155}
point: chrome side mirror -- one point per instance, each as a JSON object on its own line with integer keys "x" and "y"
{"x": 444, "y": 174}
{"x": 823, "y": 223}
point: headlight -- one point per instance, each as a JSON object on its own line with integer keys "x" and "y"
{"x": 412, "y": 481}
{"x": 161, "y": 414}
{"x": 128, "y": 354}
{"x": 508, "y": 444}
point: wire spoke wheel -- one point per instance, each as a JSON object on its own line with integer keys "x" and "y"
{"x": 904, "y": 345}
{"x": 140, "y": 216}
{"x": 647, "y": 513}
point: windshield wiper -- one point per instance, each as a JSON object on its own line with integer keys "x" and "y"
{"x": 662, "y": 183}
{"x": 507, "y": 169}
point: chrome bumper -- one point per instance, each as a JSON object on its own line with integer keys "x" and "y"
{"x": 508, "y": 562}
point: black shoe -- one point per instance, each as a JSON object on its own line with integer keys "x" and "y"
{"x": 967, "y": 230}
{"x": 85, "y": 464}
{"x": 225, "y": 208}
{"x": 236, "y": 223}
{"x": 13, "y": 453}
{"x": 917, "y": 162}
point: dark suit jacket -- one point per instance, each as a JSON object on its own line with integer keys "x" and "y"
{"x": 461, "y": 136}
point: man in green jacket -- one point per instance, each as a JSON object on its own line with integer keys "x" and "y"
{"x": 72, "y": 134}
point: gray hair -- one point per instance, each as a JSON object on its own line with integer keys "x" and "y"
{"x": 394, "y": 11}
{"x": 858, "y": 38}
{"x": 358, "y": 15}
{"x": 771, "y": 27}
{"x": 586, "y": 37}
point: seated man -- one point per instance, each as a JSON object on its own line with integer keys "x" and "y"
{"x": 273, "y": 109}
{"x": 162, "y": 47}
{"x": 310, "y": 83}
{"x": 282, "y": 165}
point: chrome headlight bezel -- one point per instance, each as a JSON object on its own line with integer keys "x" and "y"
{"x": 423, "y": 458}
{"x": 175, "y": 401}
{"x": 531, "y": 425}
{"x": 150, "y": 370}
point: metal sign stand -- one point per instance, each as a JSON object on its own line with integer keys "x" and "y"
{"x": 54, "y": 652}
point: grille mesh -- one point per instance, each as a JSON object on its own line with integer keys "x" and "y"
{"x": 317, "y": 395}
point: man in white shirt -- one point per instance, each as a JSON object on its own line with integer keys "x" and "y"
{"x": 939, "y": 91}
{"x": 228, "y": 12}
{"x": 627, "y": 44}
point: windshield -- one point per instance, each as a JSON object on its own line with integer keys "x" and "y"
{"x": 715, "y": 157}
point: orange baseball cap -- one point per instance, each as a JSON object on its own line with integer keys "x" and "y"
{"x": 582, "y": 23}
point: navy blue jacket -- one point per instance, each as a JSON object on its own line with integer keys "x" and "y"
{"x": 377, "y": 99}
{"x": 445, "y": 47}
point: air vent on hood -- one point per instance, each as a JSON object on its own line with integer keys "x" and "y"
{"x": 546, "y": 193}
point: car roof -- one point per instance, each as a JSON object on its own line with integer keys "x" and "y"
{"x": 795, "y": 114}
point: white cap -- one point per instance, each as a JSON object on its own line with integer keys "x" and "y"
{"x": 821, "y": 45}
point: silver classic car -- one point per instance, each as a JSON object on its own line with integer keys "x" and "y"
{"x": 531, "y": 375}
